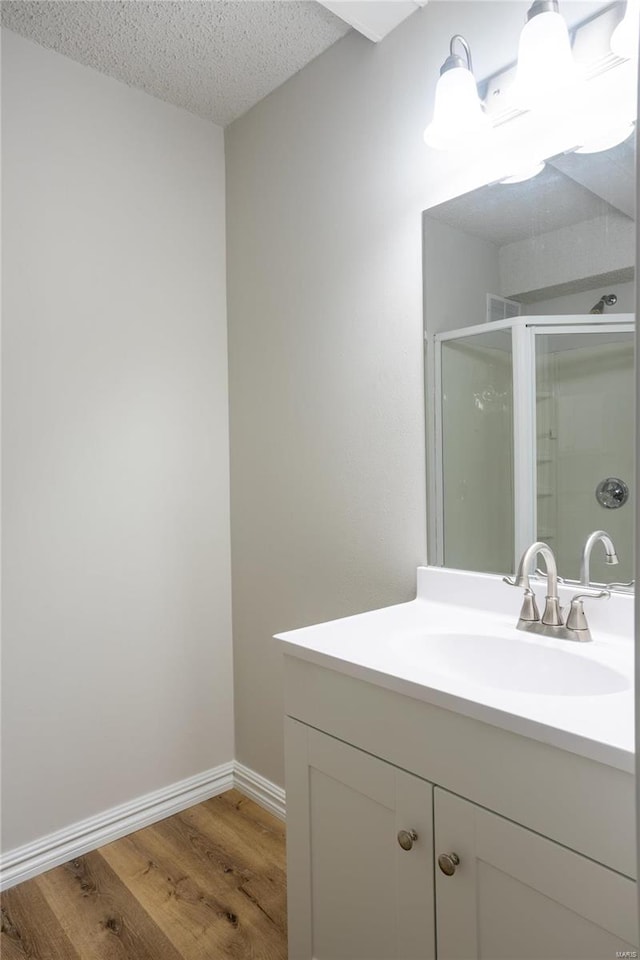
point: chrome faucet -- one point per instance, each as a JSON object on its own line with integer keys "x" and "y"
{"x": 611, "y": 556}
{"x": 552, "y": 623}
{"x": 552, "y": 615}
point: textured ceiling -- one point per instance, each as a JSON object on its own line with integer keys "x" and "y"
{"x": 581, "y": 187}
{"x": 215, "y": 58}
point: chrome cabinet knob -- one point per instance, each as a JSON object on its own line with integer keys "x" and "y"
{"x": 448, "y": 863}
{"x": 407, "y": 838}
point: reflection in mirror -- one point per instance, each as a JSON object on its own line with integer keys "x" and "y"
{"x": 529, "y": 329}
{"x": 476, "y": 397}
{"x": 584, "y": 435}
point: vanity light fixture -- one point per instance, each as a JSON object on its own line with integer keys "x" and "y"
{"x": 550, "y": 103}
{"x": 458, "y": 111}
{"x": 545, "y": 60}
{"x": 624, "y": 40}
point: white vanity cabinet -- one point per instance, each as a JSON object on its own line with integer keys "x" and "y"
{"x": 355, "y": 892}
{"x": 517, "y": 895}
{"x": 544, "y": 837}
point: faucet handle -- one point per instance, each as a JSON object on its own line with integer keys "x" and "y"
{"x": 543, "y": 574}
{"x": 517, "y": 581}
{"x": 576, "y": 620}
{"x": 606, "y": 593}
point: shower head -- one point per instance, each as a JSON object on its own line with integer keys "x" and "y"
{"x": 606, "y": 300}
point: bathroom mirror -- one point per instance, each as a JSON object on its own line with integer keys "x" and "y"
{"x": 529, "y": 335}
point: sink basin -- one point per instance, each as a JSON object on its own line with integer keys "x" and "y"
{"x": 511, "y": 664}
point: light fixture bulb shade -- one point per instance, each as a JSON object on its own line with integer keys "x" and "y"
{"x": 545, "y": 61}
{"x": 624, "y": 40}
{"x": 457, "y": 111}
{"x": 527, "y": 171}
{"x": 608, "y": 138}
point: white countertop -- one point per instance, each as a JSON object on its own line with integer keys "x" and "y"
{"x": 385, "y": 647}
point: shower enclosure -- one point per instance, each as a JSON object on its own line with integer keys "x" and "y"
{"x": 532, "y": 434}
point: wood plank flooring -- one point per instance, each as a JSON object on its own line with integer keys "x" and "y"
{"x": 206, "y": 884}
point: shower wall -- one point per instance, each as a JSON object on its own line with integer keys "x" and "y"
{"x": 577, "y": 303}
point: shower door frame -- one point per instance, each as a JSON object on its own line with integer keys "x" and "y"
{"x": 524, "y": 330}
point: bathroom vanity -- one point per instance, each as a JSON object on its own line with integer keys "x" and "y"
{"x": 456, "y": 788}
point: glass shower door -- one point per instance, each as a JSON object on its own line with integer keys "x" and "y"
{"x": 585, "y": 412}
{"x": 476, "y": 475}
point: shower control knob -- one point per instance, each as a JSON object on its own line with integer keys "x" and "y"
{"x": 448, "y": 863}
{"x": 612, "y": 493}
{"x": 407, "y": 838}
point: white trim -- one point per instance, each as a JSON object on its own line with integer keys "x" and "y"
{"x": 258, "y": 788}
{"x": 433, "y": 449}
{"x": 529, "y": 320}
{"x": 27, "y": 861}
{"x": 524, "y": 440}
{"x": 591, "y": 329}
{"x": 372, "y": 18}
{"x": 438, "y": 503}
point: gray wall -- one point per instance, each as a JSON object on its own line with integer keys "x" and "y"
{"x": 459, "y": 270}
{"x": 116, "y": 650}
{"x": 326, "y": 181}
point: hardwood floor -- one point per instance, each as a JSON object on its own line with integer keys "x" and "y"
{"x": 206, "y": 883}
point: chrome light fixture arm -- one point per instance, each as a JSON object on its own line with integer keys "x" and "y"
{"x": 454, "y": 59}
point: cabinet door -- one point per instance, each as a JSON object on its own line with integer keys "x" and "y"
{"x": 353, "y": 892}
{"x": 517, "y": 895}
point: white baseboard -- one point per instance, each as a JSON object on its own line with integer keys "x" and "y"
{"x": 258, "y": 788}
{"x": 28, "y": 861}
{"x": 81, "y": 837}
